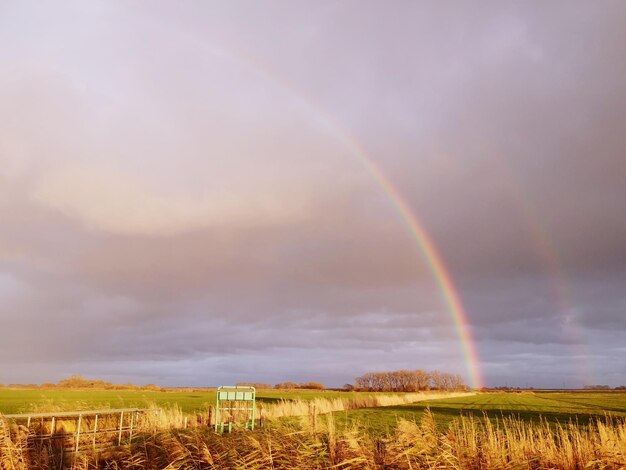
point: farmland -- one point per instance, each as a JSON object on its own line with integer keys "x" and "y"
{"x": 555, "y": 406}
{"x": 562, "y": 407}
{"x": 527, "y": 429}
{"x": 15, "y": 400}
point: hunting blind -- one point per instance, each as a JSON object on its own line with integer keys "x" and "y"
{"x": 235, "y": 405}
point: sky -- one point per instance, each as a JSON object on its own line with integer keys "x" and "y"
{"x": 187, "y": 196}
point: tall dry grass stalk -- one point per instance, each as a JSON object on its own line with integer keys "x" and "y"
{"x": 508, "y": 442}
{"x": 158, "y": 418}
{"x": 468, "y": 443}
{"x": 324, "y": 405}
{"x": 13, "y": 446}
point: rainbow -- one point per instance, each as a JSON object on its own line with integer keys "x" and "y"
{"x": 434, "y": 260}
{"x": 548, "y": 257}
{"x": 425, "y": 244}
{"x": 419, "y": 234}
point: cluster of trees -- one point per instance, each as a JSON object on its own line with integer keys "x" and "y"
{"x": 284, "y": 385}
{"x": 257, "y": 385}
{"x": 603, "y": 387}
{"x": 78, "y": 381}
{"x": 303, "y": 385}
{"x": 409, "y": 381}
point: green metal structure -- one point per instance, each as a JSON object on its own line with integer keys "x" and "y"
{"x": 235, "y": 404}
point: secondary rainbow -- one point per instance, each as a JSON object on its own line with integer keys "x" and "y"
{"x": 547, "y": 255}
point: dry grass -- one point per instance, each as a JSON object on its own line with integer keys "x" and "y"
{"x": 469, "y": 443}
{"x": 13, "y": 449}
{"x": 324, "y": 406}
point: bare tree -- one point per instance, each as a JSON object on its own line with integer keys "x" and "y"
{"x": 408, "y": 381}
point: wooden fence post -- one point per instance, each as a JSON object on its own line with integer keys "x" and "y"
{"x": 80, "y": 420}
{"x": 119, "y": 437}
{"x": 130, "y": 434}
{"x": 95, "y": 431}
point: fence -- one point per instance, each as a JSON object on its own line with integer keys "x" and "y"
{"x": 56, "y": 428}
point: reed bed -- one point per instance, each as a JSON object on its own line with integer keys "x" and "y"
{"x": 468, "y": 443}
{"x": 323, "y": 406}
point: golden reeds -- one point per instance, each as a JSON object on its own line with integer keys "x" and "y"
{"x": 468, "y": 443}
{"x": 13, "y": 446}
{"x": 324, "y": 405}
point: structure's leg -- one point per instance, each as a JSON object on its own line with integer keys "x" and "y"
{"x": 253, "y": 414}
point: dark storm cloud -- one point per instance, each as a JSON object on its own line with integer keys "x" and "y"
{"x": 177, "y": 204}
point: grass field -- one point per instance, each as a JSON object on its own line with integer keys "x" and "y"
{"x": 553, "y": 406}
{"x": 451, "y": 432}
{"x": 556, "y": 406}
{"x": 29, "y": 400}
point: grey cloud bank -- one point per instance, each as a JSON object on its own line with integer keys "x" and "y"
{"x": 176, "y": 205}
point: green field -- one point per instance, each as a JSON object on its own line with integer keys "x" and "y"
{"x": 560, "y": 407}
{"x": 554, "y": 406}
{"x": 359, "y": 438}
{"x": 29, "y": 400}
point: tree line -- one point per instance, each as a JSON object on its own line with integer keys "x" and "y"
{"x": 285, "y": 385}
{"x": 603, "y": 387}
{"x": 409, "y": 381}
{"x": 79, "y": 382}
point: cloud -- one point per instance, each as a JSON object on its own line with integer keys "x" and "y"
{"x": 176, "y": 203}
{"x": 122, "y": 203}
